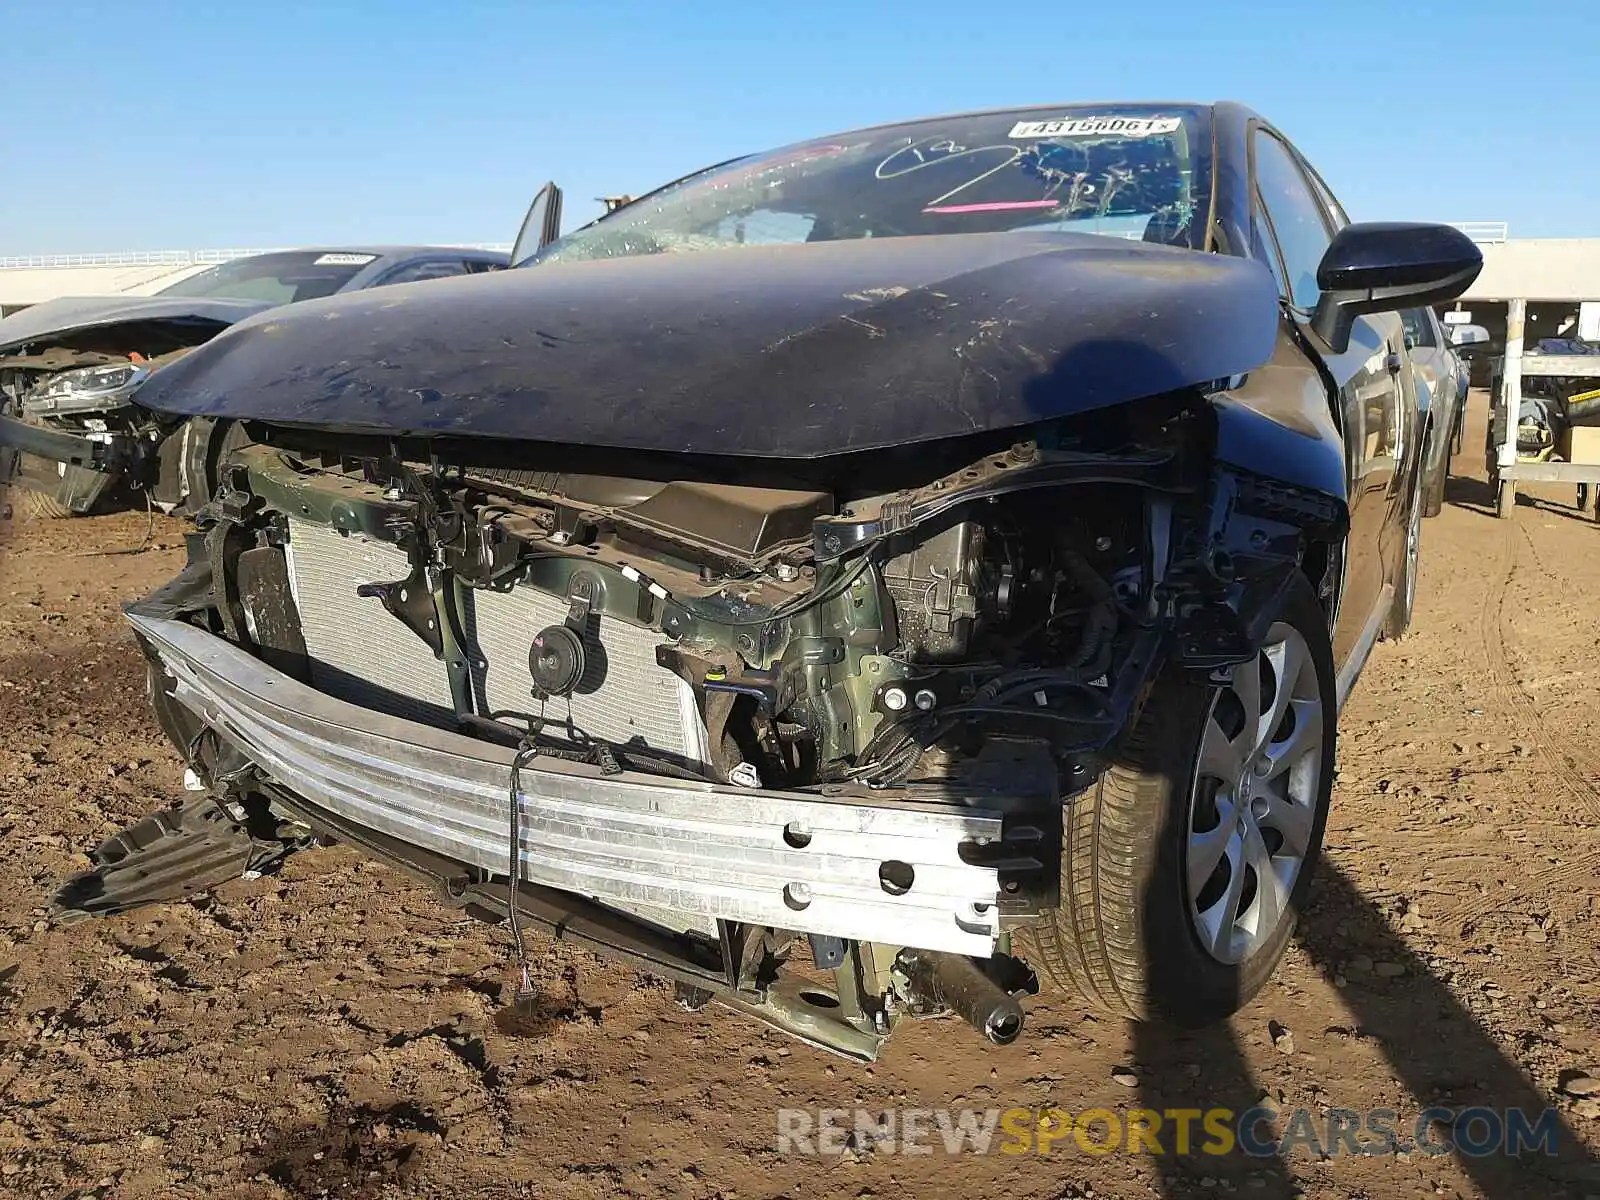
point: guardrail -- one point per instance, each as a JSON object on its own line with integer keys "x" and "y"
{"x": 125, "y": 258}
{"x": 1478, "y": 231}
{"x": 1484, "y": 231}
{"x": 169, "y": 258}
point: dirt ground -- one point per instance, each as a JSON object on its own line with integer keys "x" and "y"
{"x": 330, "y": 1030}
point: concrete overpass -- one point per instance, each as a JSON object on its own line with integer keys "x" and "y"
{"x": 1539, "y": 269}
{"x": 1558, "y": 277}
{"x": 31, "y": 279}
{"x": 26, "y": 280}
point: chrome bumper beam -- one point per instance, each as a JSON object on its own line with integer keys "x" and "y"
{"x": 791, "y": 860}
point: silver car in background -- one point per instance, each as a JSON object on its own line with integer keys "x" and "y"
{"x": 1441, "y": 376}
{"x": 69, "y": 368}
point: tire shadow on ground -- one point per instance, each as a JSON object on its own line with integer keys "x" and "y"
{"x": 1471, "y": 493}
{"x": 1441, "y": 1055}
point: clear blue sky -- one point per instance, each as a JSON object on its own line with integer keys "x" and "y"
{"x": 130, "y": 124}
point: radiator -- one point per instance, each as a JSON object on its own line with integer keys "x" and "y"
{"x": 361, "y": 653}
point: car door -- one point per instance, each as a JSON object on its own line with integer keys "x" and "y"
{"x": 1427, "y": 352}
{"x": 1428, "y": 344}
{"x": 1451, "y": 367}
{"x": 541, "y": 225}
{"x": 1294, "y": 219}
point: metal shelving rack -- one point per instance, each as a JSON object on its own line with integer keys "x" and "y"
{"x": 1507, "y": 472}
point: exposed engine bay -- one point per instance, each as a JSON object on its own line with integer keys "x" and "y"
{"x": 967, "y": 629}
{"x": 877, "y": 639}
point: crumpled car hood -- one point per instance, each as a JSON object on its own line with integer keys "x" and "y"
{"x": 72, "y": 314}
{"x": 795, "y": 351}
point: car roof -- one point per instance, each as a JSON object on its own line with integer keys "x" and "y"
{"x": 386, "y": 251}
{"x": 1200, "y": 105}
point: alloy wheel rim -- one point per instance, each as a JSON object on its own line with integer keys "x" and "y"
{"x": 1253, "y": 802}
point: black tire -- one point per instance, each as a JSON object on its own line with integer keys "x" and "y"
{"x": 46, "y": 507}
{"x": 1433, "y": 492}
{"x": 1433, "y": 496}
{"x": 1123, "y": 938}
{"x": 1401, "y": 608}
{"x": 1493, "y": 435}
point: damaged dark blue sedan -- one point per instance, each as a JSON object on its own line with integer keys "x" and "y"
{"x": 937, "y": 551}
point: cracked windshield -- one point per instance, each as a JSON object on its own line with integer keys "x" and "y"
{"x": 1131, "y": 173}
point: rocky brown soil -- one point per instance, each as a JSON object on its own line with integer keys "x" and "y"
{"x": 330, "y": 1030}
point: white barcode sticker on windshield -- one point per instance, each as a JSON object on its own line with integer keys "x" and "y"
{"x": 344, "y": 260}
{"x": 1097, "y": 127}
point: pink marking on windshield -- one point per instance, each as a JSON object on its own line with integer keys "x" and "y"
{"x": 996, "y": 206}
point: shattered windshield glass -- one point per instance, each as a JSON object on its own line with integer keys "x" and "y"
{"x": 1133, "y": 172}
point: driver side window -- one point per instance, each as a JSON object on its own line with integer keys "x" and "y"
{"x": 1289, "y": 220}
{"x": 433, "y": 268}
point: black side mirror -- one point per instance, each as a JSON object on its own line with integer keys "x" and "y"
{"x": 1381, "y": 266}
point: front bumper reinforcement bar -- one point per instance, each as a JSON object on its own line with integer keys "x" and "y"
{"x": 791, "y": 860}
{"x": 68, "y": 448}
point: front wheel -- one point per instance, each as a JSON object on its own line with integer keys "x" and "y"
{"x": 1184, "y": 868}
{"x": 1433, "y": 491}
{"x": 1405, "y": 591}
